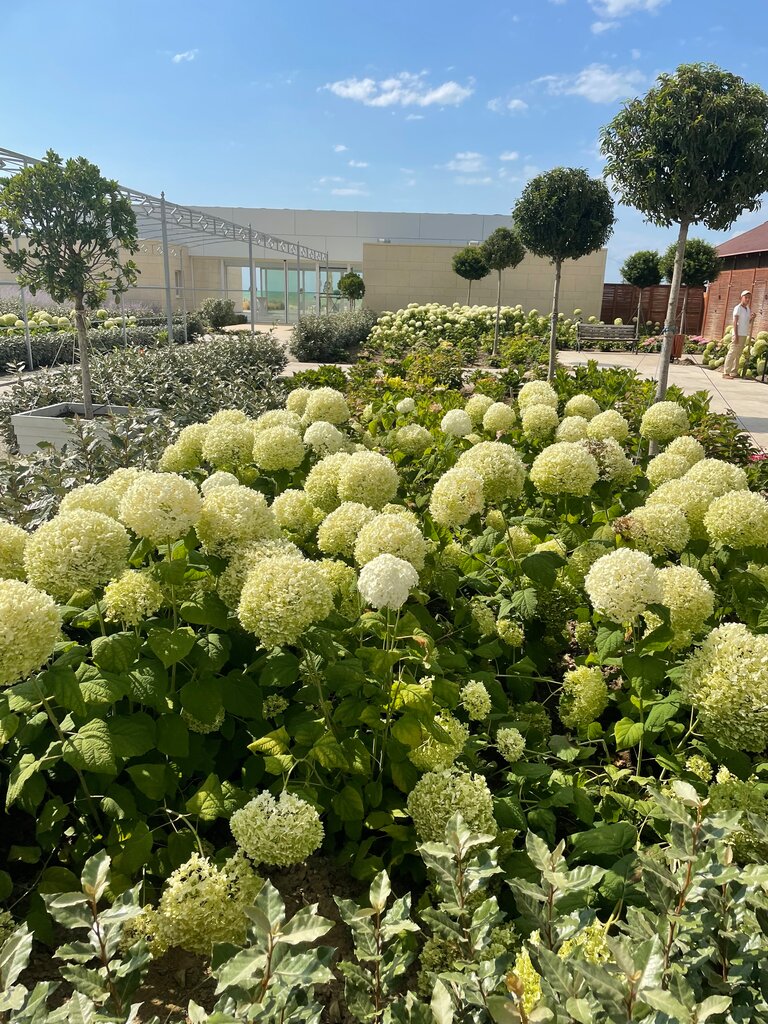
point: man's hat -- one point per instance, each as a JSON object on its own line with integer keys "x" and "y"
{"x": 745, "y": 293}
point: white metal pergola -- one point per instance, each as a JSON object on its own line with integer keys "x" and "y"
{"x": 191, "y": 228}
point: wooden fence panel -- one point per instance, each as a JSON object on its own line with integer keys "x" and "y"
{"x": 620, "y": 300}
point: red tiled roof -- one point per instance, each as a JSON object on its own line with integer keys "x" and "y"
{"x": 755, "y": 240}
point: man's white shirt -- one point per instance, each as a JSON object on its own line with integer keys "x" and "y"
{"x": 742, "y": 313}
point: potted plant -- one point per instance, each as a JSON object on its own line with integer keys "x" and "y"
{"x": 69, "y": 232}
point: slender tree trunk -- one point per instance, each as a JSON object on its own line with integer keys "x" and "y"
{"x": 498, "y": 315}
{"x": 669, "y": 323}
{"x": 553, "y": 327}
{"x": 85, "y": 365}
{"x": 639, "y": 314}
{"x": 469, "y": 289}
{"x": 682, "y": 314}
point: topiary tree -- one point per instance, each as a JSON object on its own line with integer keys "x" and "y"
{"x": 563, "y": 215}
{"x": 77, "y": 229}
{"x": 694, "y": 150}
{"x": 642, "y": 270}
{"x": 470, "y": 264}
{"x": 501, "y": 250}
{"x": 701, "y": 264}
{"x": 352, "y": 287}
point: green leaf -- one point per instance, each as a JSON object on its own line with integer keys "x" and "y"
{"x": 171, "y": 645}
{"x": 130, "y": 847}
{"x": 56, "y": 880}
{"x": 206, "y": 610}
{"x": 627, "y": 733}
{"x": 305, "y": 926}
{"x": 610, "y": 640}
{"x": 280, "y": 670}
{"x": 211, "y": 652}
{"x": 14, "y": 957}
{"x": 509, "y": 814}
{"x": 328, "y": 753}
{"x": 27, "y": 766}
{"x": 6, "y": 885}
{"x": 348, "y": 804}
{"x": 525, "y": 602}
{"x": 208, "y": 802}
{"x": 661, "y": 712}
{"x": 605, "y": 841}
{"x": 115, "y": 653}
{"x": 172, "y": 736}
{"x": 201, "y": 698}
{"x": 241, "y": 695}
{"x": 66, "y": 689}
{"x": 148, "y": 685}
{"x": 99, "y": 688}
{"x": 91, "y": 749}
{"x": 132, "y": 735}
{"x": 542, "y": 566}
{"x": 153, "y": 780}
{"x": 407, "y": 730}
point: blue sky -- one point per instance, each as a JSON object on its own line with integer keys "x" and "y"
{"x": 438, "y": 107}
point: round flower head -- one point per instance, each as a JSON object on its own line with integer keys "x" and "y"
{"x": 520, "y": 541}
{"x": 224, "y": 416}
{"x": 30, "y": 628}
{"x": 688, "y": 448}
{"x": 663, "y": 421}
{"x": 394, "y": 535}
{"x": 342, "y": 579}
{"x": 564, "y": 468}
{"x": 456, "y": 423}
{"x": 739, "y": 519}
{"x": 322, "y": 483}
{"x": 393, "y": 509}
{"x": 438, "y": 796}
{"x": 500, "y": 467}
{"x": 690, "y": 599}
{"x": 539, "y": 423}
{"x": 537, "y": 392}
{"x": 699, "y": 766}
{"x": 435, "y": 753}
{"x": 404, "y": 406}
{"x": 323, "y": 437}
{"x": 475, "y": 700}
{"x": 511, "y": 744}
{"x": 510, "y": 632}
{"x": 232, "y": 517}
{"x": 457, "y": 496}
{"x": 78, "y": 550}
{"x": 665, "y": 467}
{"x": 583, "y": 698}
{"x": 387, "y": 581}
{"x": 161, "y": 507}
{"x": 622, "y": 584}
{"x": 582, "y": 405}
{"x": 295, "y": 512}
{"x": 339, "y": 530}
{"x": 245, "y": 560}
{"x": 277, "y": 418}
{"x": 93, "y": 498}
{"x": 132, "y": 598}
{"x": 584, "y": 557}
{"x": 572, "y": 428}
{"x": 494, "y": 520}
{"x": 13, "y": 540}
{"x": 326, "y": 404}
{"x": 499, "y": 418}
{"x": 188, "y": 448}
{"x": 720, "y": 477}
{"x": 228, "y": 444}
{"x": 122, "y": 479}
{"x": 658, "y": 528}
{"x": 476, "y": 407}
{"x": 726, "y": 681}
{"x": 692, "y": 499}
{"x": 273, "y": 705}
{"x": 281, "y": 832}
{"x": 201, "y": 727}
{"x": 282, "y": 597}
{"x": 553, "y": 544}
{"x": 611, "y": 460}
{"x": 218, "y": 479}
{"x": 609, "y": 424}
{"x": 278, "y": 448}
{"x": 296, "y": 402}
{"x": 368, "y": 478}
{"x": 177, "y": 458}
{"x": 413, "y": 439}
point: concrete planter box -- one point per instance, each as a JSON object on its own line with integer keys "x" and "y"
{"x": 53, "y": 423}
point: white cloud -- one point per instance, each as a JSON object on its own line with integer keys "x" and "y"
{"x": 466, "y": 163}
{"x": 597, "y": 83}
{"x": 414, "y": 117}
{"x": 635, "y": 54}
{"x": 405, "y": 89}
{"x": 508, "y": 154}
{"x": 598, "y": 27}
{"x": 351, "y": 191}
{"x": 330, "y": 180}
{"x": 622, "y": 8}
{"x": 187, "y": 55}
{"x": 357, "y": 163}
{"x": 473, "y": 181}
{"x": 516, "y": 105}
{"x": 499, "y": 105}
{"x": 340, "y": 148}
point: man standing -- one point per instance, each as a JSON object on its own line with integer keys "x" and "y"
{"x": 742, "y": 320}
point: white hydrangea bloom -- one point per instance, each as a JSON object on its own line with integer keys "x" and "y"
{"x": 564, "y": 468}
{"x": 281, "y": 832}
{"x": 537, "y": 392}
{"x": 457, "y": 496}
{"x": 456, "y": 423}
{"x": 387, "y": 581}
{"x": 622, "y": 584}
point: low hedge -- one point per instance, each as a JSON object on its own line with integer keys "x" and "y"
{"x": 328, "y": 337}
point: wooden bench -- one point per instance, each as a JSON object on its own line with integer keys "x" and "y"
{"x": 606, "y": 332}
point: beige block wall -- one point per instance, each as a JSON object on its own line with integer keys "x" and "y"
{"x": 398, "y": 274}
